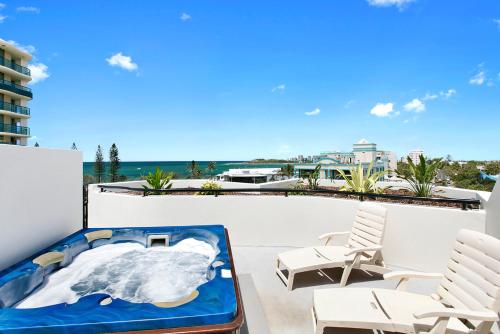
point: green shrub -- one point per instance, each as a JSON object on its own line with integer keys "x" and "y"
{"x": 360, "y": 182}
{"x": 313, "y": 178}
{"x": 157, "y": 181}
{"x": 208, "y": 188}
{"x": 421, "y": 176}
{"x": 298, "y": 186}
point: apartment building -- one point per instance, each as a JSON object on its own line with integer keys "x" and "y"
{"x": 14, "y": 94}
{"x": 415, "y": 155}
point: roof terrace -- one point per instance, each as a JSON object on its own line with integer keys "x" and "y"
{"x": 417, "y": 237}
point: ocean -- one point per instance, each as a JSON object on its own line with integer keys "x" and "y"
{"x": 133, "y": 170}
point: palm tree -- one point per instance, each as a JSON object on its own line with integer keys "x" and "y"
{"x": 421, "y": 176}
{"x": 193, "y": 170}
{"x": 211, "y": 167}
{"x": 287, "y": 170}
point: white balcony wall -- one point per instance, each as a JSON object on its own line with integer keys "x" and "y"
{"x": 40, "y": 199}
{"x": 417, "y": 237}
{"x": 493, "y": 212}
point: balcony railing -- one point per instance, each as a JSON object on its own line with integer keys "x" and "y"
{"x": 13, "y": 128}
{"x": 15, "y": 88}
{"x": 463, "y": 203}
{"x": 12, "y": 65}
{"x": 14, "y": 108}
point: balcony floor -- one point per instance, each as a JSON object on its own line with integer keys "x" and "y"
{"x": 289, "y": 312}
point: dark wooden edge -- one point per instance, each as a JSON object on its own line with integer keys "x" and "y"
{"x": 209, "y": 329}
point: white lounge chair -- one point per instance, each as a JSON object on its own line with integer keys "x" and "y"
{"x": 362, "y": 250}
{"x": 466, "y": 301}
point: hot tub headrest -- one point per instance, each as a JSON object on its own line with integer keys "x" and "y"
{"x": 49, "y": 258}
{"x": 101, "y": 234}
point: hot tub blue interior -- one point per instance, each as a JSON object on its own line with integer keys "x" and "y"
{"x": 216, "y": 303}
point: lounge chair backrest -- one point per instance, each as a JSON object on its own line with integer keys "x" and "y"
{"x": 369, "y": 226}
{"x": 472, "y": 279}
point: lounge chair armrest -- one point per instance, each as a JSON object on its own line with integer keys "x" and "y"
{"x": 363, "y": 249}
{"x": 331, "y": 235}
{"x": 404, "y": 274}
{"x": 459, "y": 314}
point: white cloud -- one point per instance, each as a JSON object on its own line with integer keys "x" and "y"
{"x": 313, "y": 113}
{"x": 122, "y": 61}
{"x": 349, "y": 104}
{"x": 387, "y": 3}
{"x": 449, "y": 93}
{"x": 280, "y": 88}
{"x": 2, "y": 5}
{"x": 415, "y": 105}
{"x": 430, "y": 97}
{"x": 382, "y": 109}
{"x": 185, "y": 17}
{"x": 478, "y": 79}
{"x": 2, "y": 18}
{"x": 497, "y": 21}
{"x": 29, "y": 9}
{"x": 25, "y": 48}
{"x": 39, "y": 72}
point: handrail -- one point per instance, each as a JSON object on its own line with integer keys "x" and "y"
{"x": 13, "y": 128}
{"x": 23, "y": 90}
{"x": 14, "y": 108}
{"x": 16, "y": 67}
{"x": 464, "y": 203}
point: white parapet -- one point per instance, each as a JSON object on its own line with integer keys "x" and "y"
{"x": 417, "y": 237}
{"x": 40, "y": 199}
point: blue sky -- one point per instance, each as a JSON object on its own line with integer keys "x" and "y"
{"x": 224, "y": 80}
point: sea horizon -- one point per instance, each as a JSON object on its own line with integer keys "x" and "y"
{"x": 136, "y": 169}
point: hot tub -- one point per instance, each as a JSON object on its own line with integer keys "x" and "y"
{"x": 91, "y": 305}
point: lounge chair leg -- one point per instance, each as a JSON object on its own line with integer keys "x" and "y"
{"x": 345, "y": 275}
{"x": 318, "y": 329}
{"x": 291, "y": 276}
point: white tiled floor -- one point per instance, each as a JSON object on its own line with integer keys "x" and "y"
{"x": 289, "y": 312}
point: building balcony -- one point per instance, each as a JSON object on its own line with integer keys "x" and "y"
{"x": 14, "y": 108}
{"x": 12, "y": 65}
{"x": 16, "y": 89}
{"x": 15, "y": 129}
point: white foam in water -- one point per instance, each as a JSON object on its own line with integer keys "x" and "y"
{"x": 128, "y": 271}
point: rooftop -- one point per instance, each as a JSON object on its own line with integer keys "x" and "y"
{"x": 260, "y": 227}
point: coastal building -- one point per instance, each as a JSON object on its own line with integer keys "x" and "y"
{"x": 362, "y": 152}
{"x": 14, "y": 94}
{"x": 251, "y": 175}
{"x": 415, "y": 155}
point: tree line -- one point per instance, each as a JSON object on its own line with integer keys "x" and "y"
{"x": 100, "y": 172}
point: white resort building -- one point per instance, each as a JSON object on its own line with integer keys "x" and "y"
{"x": 14, "y": 94}
{"x": 251, "y": 175}
{"x": 362, "y": 152}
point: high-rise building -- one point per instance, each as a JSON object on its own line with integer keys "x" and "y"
{"x": 415, "y": 155}
{"x": 14, "y": 94}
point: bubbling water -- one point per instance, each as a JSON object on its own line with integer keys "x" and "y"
{"x": 128, "y": 271}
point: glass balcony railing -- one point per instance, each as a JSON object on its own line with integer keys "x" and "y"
{"x": 14, "y": 108}
{"x": 12, "y": 65}
{"x": 13, "y": 128}
{"x": 15, "y": 88}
